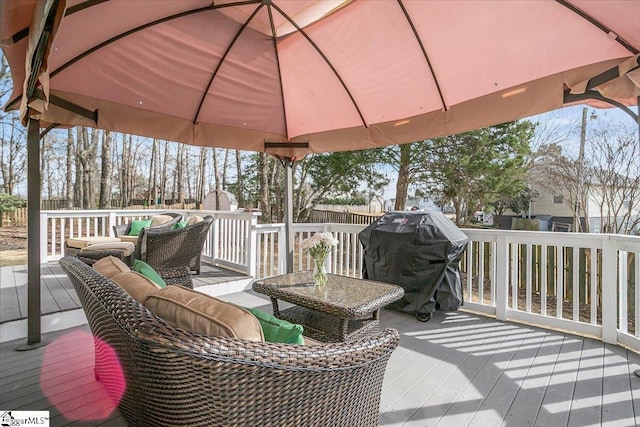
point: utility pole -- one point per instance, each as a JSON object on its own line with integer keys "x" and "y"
{"x": 583, "y": 137}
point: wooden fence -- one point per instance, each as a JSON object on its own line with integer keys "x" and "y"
{"x": 14, "y": 218}
{"x": 324, "y": 217}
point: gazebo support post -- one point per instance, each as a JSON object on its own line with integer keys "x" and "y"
{"x": 33, "y": 237}
{"x": 288, "y": 212}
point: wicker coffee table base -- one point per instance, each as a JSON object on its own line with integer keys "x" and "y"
{"x": 329, "y": 328}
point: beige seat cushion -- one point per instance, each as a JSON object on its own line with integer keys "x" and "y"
{"x": 160, "y": 219}
{"x": 127, "y": 248}
{"x": 110, "y": 266}
{"x": 203, "y": 314}
{"x": 136, "y": 285}
{"x": 129, "y": 239}
{"x": 194, "y": 219}
{"x": 81, "y": 242}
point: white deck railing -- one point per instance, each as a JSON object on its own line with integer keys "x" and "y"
{"x": 582, "y": 283}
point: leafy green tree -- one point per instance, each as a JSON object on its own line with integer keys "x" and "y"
{"x": 9, "y": 202}
{"x": 482, "y": 169}
{"x": 411, "y": 162}
{"x": 338, "y": 174}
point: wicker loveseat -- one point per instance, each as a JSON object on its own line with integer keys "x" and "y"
{"x": 174, "y": 377}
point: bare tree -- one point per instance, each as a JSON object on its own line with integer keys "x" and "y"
{"x": 561, "y": 175}
{"x": 225, "y": 168}
{"x": 69, "y": 169}
{"x": 163, "y": 177}
{"x": 78, "y": 192}
{"x": 202, "y": 175}
{"x": 188, "y": 170}
{"x": 263, "y": 184}
{"x": 240, "y": 189}
{"x": 604, "y": 186}
{"x": 12, "y": 153}
{"x": 106, "y": 170}
{"x": 217, "y": 176}
{"x": 615, "y": 163}
{"x": 178, "y": 179}
{"x": 152, "y": 185}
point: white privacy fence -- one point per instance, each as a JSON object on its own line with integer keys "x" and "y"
{"x": 582, "y": 283}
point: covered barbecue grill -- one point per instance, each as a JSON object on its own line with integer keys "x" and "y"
{"x": 419, "y": 252}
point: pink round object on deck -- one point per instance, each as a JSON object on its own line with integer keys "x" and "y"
{"x": 67, "y": 377}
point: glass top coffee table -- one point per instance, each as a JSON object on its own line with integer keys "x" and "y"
{"x": 344, "y": 309}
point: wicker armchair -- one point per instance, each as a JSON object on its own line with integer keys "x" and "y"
{"x": 123, "y": 229}
{"x": 174, "y": 377}
{"x": 174, "y": 248}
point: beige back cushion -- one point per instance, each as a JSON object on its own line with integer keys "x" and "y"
{"x": 203, "y": 314}
{"x": 129, "y": 239}
{"x": 160, "y": 219}
{"x": 194, "y": 219}
{"x": 110, "y": 266}
{"x": 136, "y": 285}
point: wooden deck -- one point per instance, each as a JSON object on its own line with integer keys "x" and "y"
{"x": 458, "y": 369}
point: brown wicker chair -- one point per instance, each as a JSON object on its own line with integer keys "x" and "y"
{"x": 174, "y": 377}
{"x": 174, "y": 248}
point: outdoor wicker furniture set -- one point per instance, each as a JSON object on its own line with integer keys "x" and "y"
{"x": 344, "y": 309}
{"x": 177, "y": 377}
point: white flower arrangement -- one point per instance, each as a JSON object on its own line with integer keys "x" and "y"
{"x": 319, "y": 245}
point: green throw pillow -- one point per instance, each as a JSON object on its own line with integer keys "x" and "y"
{"x": 137, "y": 225}
{"x": 276, "y": 330}
{"x": 148, "y": 271}
{"x": 179, "y": 225}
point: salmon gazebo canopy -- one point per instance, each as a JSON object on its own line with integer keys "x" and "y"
{"x": 292, "y": 77}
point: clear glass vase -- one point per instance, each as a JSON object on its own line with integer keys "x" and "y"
{"x": 319, "y": 272}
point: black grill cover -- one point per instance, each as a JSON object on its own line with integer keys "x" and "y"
{"x": 419, "y": 252}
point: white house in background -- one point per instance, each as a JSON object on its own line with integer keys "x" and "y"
{"x": 227, "y": 201}
{"x": 555, "y": 206}
{"x": 423, "y": 204}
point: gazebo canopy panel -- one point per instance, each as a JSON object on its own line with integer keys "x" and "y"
{"x": 336, "y": 75}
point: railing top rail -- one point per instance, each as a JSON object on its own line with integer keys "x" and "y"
{"x": 593, "y": 240}
{"x": 132, "y": 212}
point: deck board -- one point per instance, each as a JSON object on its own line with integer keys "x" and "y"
{"x": 9, "y": 307}
{"x": 459, "y": 369}
{"x": 64, "y": 298}
{"x": 20, "y": 278}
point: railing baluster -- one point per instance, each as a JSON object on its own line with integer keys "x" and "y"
{"x": 594, "y": 287}
{"x": 622, "y": 291}
{"x": 514, "y": 275}
{"x": 481, "y": 272}
{"x": 54, "y": 237}
{"x": 470, "y": 271}
{"x": 636, "y": 287}
{"x": 576, "y": 283}
{"x": 544, "y": 273}
{"x": 492, "y": 271}
{"x": 559, "y": 281}
{"x": 528, "y": 285}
